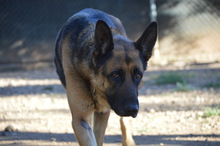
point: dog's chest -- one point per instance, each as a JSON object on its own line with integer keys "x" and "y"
{"x": 101, "y": 104}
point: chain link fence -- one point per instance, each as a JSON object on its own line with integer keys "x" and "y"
{"x": 28, "y": 28}
{"x": 189, "y": 30}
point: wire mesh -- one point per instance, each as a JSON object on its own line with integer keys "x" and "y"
{"x": 189, "y": 28}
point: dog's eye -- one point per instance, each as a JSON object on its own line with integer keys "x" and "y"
{"x": 115, "y": 75}
{"x": 138, "y": 76}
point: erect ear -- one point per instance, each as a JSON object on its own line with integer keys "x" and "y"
{"x": 103, "y": 41}
{"x": 146, "y": 42}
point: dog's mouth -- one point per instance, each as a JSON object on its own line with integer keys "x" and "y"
{"x": 131, "y": 110}
{"x": 123, "y": 105}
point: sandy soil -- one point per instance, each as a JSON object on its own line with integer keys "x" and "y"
{"x": 34, "y": 110}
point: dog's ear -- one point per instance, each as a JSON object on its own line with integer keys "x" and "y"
{"x": 103, "y": 41}
{"x": 146, "y": 42}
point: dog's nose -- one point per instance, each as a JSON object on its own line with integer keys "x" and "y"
{"x": 132, "y": 110}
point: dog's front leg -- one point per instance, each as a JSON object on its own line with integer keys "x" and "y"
{"x": 81, "y": 107}
{"x": 81, "y": 117}
{"x": 83, "y": 131}
{"x": 100, "y": 123}
{"x": 127, "y": 139}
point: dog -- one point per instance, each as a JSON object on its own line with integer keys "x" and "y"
{"x": 101, "y": 70}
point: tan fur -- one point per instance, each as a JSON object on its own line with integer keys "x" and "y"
{"x": 87, "y": 58}
{"x": 127, "y": 139}
{"x": 100, "y": 124}
{"x": 79, "y": 99}
{"x": 82, "y": 104}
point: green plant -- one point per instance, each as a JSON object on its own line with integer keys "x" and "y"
{"x": 183, "y": 87}
{"x": 48, "y": 88}
{"x": 212, "y": 85}
{"x": 211, "y": 112}
{"x": 188, "y": 74}
{"x": 169, "y": 78}
{"x": 142, "y": 130}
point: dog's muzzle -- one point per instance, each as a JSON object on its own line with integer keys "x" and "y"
{"x": 127, "y": 110}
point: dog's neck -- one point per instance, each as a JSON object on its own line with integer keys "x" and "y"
{"x": 100, "y": 102}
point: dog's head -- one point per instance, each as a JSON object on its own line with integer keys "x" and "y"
{"x": 119, "y": 66}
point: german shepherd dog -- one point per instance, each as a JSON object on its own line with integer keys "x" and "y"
{"x": 101, "y": 69}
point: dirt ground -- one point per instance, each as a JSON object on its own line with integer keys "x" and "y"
{"x": 34, "y": 109}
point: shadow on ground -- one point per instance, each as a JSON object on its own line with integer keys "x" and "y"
{"x": 199, "y": 139}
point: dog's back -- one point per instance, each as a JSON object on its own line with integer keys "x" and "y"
{"x": 80, "y": 30}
